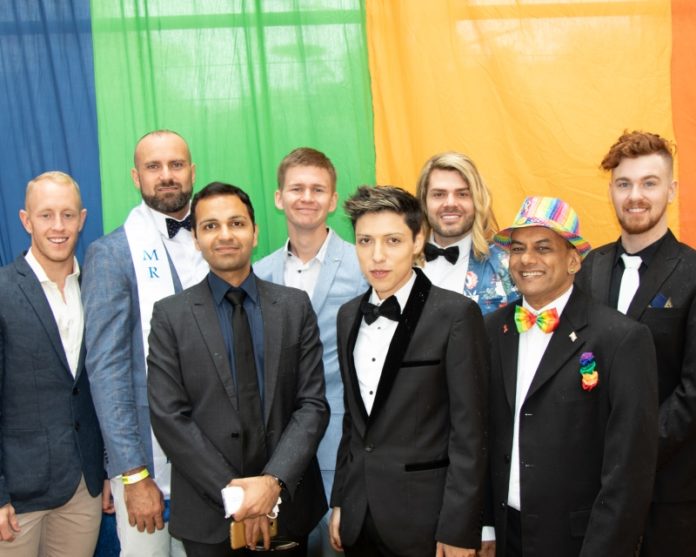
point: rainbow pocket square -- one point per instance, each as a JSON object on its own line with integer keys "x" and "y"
{"x": 661, "y": 302}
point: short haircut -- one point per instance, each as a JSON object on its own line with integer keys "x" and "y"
{"x": 216, "y": 189}
{"x": 637, "y": 144}
{"x": 54, "y": 176}
{"x": 159, "y": 132}
{"x": 305, "y": 156}
{"x": 485, "y": 226}
{"x": 369, "y": 199}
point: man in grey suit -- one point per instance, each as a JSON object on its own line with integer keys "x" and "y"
{"x": 318, "y": 261}
{"x": 51, "y": 454}
{"x": 150, "y": 256}
{"x": 236, "y": 390}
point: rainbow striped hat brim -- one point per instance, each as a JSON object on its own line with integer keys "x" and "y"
{"x": 549, "y": 212}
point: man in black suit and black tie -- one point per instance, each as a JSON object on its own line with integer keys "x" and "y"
{"x": 651, "y": 277}
{"x": 411, "y": 462}
{"x": 573, "y": 403}
{"x": 236, "y": 390}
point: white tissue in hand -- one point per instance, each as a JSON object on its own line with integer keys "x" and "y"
{"x": 232, "y": 498}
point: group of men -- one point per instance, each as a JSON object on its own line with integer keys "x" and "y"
{"x": 364, "y": 375}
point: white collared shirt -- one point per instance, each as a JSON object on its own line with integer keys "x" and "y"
{"x": 188, "y": 261}
{"x": 531, "y": 348}
{"x": 304, "y": 275}
{"x": 66, "y": 308}
{"x": 446, "y": 275}
{"x": 372, "y": 345}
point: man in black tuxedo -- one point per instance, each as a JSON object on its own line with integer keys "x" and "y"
{"x": 411, "y": 461}
{"x": 651, "y": 277}
{"x": 236, "y": 389}
{"x": 573, "y": 403}
{"x": 51, "y": 451}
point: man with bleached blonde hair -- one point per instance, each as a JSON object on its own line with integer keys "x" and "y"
{"x": 459, "y": 255}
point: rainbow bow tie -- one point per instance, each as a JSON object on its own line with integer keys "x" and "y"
{"x": 547, "y": 320}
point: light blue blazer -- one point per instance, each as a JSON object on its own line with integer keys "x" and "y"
{"x": 339, "y": 280}
{"x": 115, "y": 360}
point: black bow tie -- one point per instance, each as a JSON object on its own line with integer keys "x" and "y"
{"x": 433, "y": 252}
{"x": 173, "y": 226}
{"x": 389, "y": 309}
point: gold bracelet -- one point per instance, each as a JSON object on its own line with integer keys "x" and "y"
{"x": 135, "y": 478}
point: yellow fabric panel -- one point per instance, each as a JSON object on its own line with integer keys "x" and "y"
{"x": 534, "y": 91}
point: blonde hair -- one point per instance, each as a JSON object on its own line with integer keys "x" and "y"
{"x": 485, "y": 226}
{"x": 54, "y": 176}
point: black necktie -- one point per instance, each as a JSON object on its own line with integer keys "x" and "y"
{"x": 389, "y": 309}
{"x": 173, "y": 225}
{"x": 451, "y": 253}
{"x": 253, "y": 437}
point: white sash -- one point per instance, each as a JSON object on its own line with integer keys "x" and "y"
{"x": 153, "y": 277}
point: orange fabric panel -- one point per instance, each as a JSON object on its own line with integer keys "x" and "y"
{"x": 534, "y": 91}
{"x": 684, "y": 111}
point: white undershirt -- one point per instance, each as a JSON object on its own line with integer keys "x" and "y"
{"x": 190, "y": 266}
{"x": 372, "y": 345}
{"x": 531, "y": 349}
{"x": 67, "y": 312}
{"x": 304, "y": 275}
{"x": 446, "y": 275}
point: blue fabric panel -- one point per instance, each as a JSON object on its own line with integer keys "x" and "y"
{"x": 47, "y": 110}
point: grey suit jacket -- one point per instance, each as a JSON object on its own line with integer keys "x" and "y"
{"x": 340, "y": 280}
{"x": 50, "y": 434}
{"x": 115, "y": 359}
{"x": 418, "y": 460}
{"x": 193, "y": 406}
{"x": 666, "y": 303}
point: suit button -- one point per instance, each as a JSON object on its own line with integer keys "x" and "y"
{"x": 507, "y": 458}
{"x": 503, "y": 504}
{"x": 77, "y": 426}
{"x": 369, "y": 448}
{"x": 76, "y": 391}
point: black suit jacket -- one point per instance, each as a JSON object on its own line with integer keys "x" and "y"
{"x": 50, "y": 433}
{"x": 671, "y": 276}
{"x": 587, "y": 458}
{"x": 193, "y": 408}
{"x": 418, "y": 460}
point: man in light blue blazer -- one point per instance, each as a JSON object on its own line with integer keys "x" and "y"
{"x": 460, "y": 254}
{"x": 151, "y": 256}
{"x": 316, "y": 260}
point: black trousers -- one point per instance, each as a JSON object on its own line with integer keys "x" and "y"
{"x": 369, "y": 543}
{"x": 223, "y": 549}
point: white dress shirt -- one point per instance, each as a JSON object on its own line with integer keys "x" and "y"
{"x": 190, "y": 266}
{"x": 531, "y": 348}
{"x": 66, "y": 308}
{"x": 304, "y": 275}
{"x": 372, "y": 345}
{"x": 446, "y": 275}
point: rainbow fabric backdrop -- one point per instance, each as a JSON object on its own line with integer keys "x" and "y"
{"x": 535, "y": 91}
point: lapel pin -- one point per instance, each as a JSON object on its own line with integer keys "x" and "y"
{"x": 505, "y": 328}
{"x": 573, "y": 336}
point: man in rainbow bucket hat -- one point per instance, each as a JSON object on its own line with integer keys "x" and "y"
{"x": 573, "y": 403}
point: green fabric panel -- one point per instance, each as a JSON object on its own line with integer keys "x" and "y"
{"x": 244, "y": 83}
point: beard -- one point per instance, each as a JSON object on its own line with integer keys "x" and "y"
{"x": 455, "y": 231}
{"x": 169, "y": 202}
{"x": 641, "y": 224}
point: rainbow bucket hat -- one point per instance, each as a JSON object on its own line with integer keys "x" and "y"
{"x": 549, "y": 212}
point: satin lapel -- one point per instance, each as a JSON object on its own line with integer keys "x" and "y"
{"x": 352, "y": 374}
{"x": 509, "y": 343}
{"x": 400, "y": 342}
{"x": 272, "y": 344}
{"x": 332, "y": 260}
{"x": 33, "y": 291}
{"x": 601, "y": 273}
{"x": 567, "y": 341}
{"x": 203, "y": 309}
{"x": 663, "y": 263}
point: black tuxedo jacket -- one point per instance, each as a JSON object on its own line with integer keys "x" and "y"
{"x": 666, "y": 303}
{"x": 587, "y": 458}
{"x": 50, "y": 433}
{"x": 193, "y": 408}
{"x": 418, "y": 460}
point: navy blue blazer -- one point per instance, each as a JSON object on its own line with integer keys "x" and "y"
{"x": 49, "y": 431}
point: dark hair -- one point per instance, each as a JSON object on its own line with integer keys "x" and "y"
{"x": 305, "y": 156}
{"x": 216, "y": 189}
{"x": 369, "y": 199}
{"x": 636, "y": 144}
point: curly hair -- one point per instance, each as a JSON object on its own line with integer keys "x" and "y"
{"x": 637, "y": 144}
